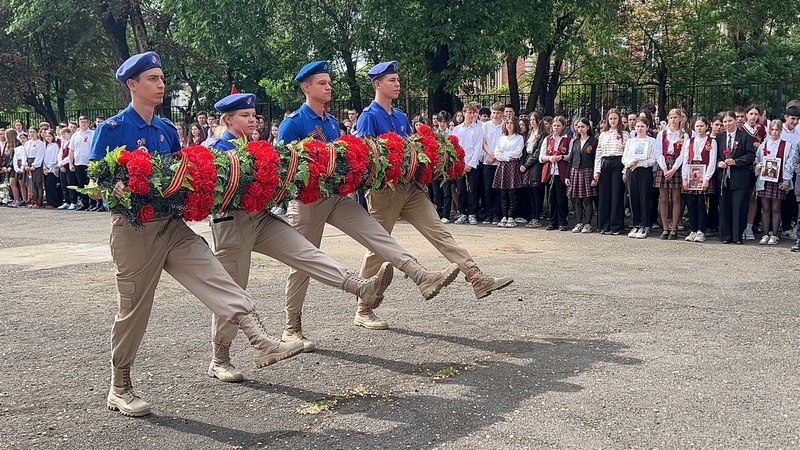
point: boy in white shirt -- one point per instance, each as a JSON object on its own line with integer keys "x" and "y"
{"x": 492, "y": 130}
{"x": 470, "y": 137}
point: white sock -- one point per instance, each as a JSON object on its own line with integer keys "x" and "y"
{"x": 750, "y": 226}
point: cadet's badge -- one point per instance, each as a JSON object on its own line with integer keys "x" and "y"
{"x": 249, "y": 100}
{"x": 402, "y": 128}
{"x": 161, "y": 138}
{"x": 140, "y": 142}
{"x": 153, "y": 59}
{"x": 111, "y": 122}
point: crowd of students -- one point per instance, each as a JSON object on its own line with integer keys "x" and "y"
{"x": 730, "y": 175}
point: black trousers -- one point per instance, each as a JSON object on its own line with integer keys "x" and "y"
{"x": 733, "y": 205}
{"x": 713, "y": 206}
{"x": 468, "y": 191}
{"x": 508, "y": 202}
{"x": 442, "y": 197}
{"x": 697, "y": 211}
{"x": 491, "y": 194}
{"x": 52, "y": 191}
{"x": 67, "y": 194}
{"x": 557, "y": 202}
{"x": 788, "y": 211}
{"x": 611, "y": 198}
{"x": 536, "y": 199}
{"x": 82, "y": 179}
{"x": 640, "y": 189}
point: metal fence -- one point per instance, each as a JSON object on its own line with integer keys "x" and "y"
{"x": 590, "y": 99}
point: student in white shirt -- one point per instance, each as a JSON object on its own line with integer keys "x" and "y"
{"x": 34, "y": 154}
{"x": 20, "y": 160}
{"x": 774, "y": 159}
{"x": 492, "y": 130}
{"x": 68, "y": 195}
{"x": 670, "y": 143}
{"x": 79, "y": 146}
{"x": 638, "y": 160}
{"x": 52, "y": 151}
{"x": 554, "y": 154}
{"x": 700, "y": 150}
{"x": 790, "y": 134}
{"x": 508, "y": 178}
{"x": 470, "y": 136}
{"x": 608, "y": 175}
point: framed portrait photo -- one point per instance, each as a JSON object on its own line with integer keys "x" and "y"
{"x": 771, "y": 169}
{"x": 697, "y": 173}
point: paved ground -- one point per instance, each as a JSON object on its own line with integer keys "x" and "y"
{"x": 602, "y": 342}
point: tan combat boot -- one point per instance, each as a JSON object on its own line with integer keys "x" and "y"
{"x": 365, "y": 317}
{"x": 221, "y": 367}
{"x": 121, "y": 397}
{"x": 483, "y": 284}
{"x": 267, "y": 349}
{"x": 428, "y": 281}
{"x": 370, "y": 291}
{"x": 294, "y": 331}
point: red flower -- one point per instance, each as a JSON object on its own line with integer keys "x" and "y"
{"x": 138, "y": 185}
{"x": 145, "y": 214}
{"x": 695, "y": 175}
{"x": 424, "y": 129}
{"x": 124, "y": 157}
{"x": 726, "y": 152}
{"x": 766, "y": 151}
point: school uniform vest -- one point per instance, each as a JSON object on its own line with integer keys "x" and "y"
{"x": 665, "y": 146}
{"x": 756, "y": 135}
{"x": 704, "y": 153}
{"x": 563, "y": 149}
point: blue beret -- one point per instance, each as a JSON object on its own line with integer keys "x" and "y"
{"x": 235, "y": 102}
{"x": 137, "y": 64}
{"x": 312, "y": 68}
{"x": 381, "y": 69}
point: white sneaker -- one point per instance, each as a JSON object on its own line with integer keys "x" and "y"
{"x": 520, "y": 220}
{"x": 764, "y": 239}
{"x": 511, "y": 223}
{"x": 72, "y": 207}
{"x": 577, "y": 228}
{"x": 472, "y": 219}
{"x": 773, "y": 240}
{"x": 460, "y": 220}
{"x": 700, "y": 237}
{"x": 634, "y": 231}
{"x": 748, "y": 235}
{"x": 444, "y": 220}
{"x": 642, "y": 233}
{"x": 691, "y": 237}
{"x": 64, "y": 206}
{"x": 586, "y": 229}
{"x": 503, "y": 222}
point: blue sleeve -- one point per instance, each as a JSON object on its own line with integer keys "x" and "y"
{"x": 366, "y": 126}
{"x": 288, "y": 131}
{"x": 103, "y": 141}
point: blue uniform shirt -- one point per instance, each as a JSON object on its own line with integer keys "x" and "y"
{"x": 130, "y": 130}
{"x": 305, "y": 123}
{"x": 374, "y": 121}
{"x": 223, "y": 142}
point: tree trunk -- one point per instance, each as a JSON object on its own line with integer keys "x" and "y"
{"x": 513, "y": 84}
{"x": 46, "y": 110}
{"x": 116, "y": 40}
{"x": 539, "y": 75}
{"x": 439, "y": 99}
{"x": 137, "y": 25}
{"x": 552, "y": 86}
{"x": 352, "y": 83}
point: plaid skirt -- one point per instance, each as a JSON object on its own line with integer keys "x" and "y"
{"x": 674, "y": 183}
{"x": 508, "y": 175}
{"x": 38, "y": 173}
{"x": 580, "y": 183}
{"x": 772, "y": 190}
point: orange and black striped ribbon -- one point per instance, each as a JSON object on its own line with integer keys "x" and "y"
{"x": 412, "y": 166}
{"x": 177, "y": 178}
{"x": 331, "y": 159}
{"x": 375, "y": 160}
{"x": 233, "y": 181}
{"x": 289, "y": 174}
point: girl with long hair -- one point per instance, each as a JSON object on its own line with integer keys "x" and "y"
{"x": 581, "y": 187}
{"x": 608, "y": 171}
{"x": 532, "y": 167}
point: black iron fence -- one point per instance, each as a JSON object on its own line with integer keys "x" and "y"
{"x": 591, "y": 100}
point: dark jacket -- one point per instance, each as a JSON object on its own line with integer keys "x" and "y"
{"x": 743, "y": 153}
{"x": 579, "y": 158}
{"x": 532, "y": 164}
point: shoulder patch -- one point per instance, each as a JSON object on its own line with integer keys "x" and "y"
{"x": 114, "y": 122}
{"x": 292, "y": 115}
{"x": 168, "y": 122}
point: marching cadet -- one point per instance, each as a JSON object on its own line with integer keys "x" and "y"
{"x": 165, "y": 243}
{"x": 239, "y": 234}
{"x": 344, "y": 213}
{"x": 410, "y": 201}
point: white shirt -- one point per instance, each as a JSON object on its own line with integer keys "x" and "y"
{"x": 80, "y": 144}
{"x": 610, "y": 143}
{"x": 642, "y": 149}
{"x": 697, "y": 157}
{"x": 787, "y": 165}
{"x": 492, "y": 134}
{"x": 65, "y": 160}
{"x": 673, "y": 137}
{"x": 51, "y": 157}
{"x": 19, "y": 158}
{"x": 509, "y": 147}
{"x": 792, "y": 137}
{"x": 34, "y": 148}
{"x": 471, "y": 140}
